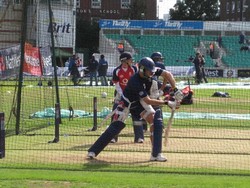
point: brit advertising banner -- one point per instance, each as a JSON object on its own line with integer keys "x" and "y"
{"x": 63, "y": 28}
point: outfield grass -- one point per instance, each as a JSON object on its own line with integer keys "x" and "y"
{"x": 20, "y": 178}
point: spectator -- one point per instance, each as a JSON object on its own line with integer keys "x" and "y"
{"x": 102, "y": 70}
{"x": 93, "y": 67}
{"x": 120, "y": 47}
{"x": 211, "y": 49}
{"x": 73, "y": 69}
{"x": 198, "y": 72}
{"x": 245, "y": 48}
{"x": 202, "y": 63}
{"x": 242, "y": 38}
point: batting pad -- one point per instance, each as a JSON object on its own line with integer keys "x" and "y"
{"x": 157, "y": 134}
{"x": 113, "y": 130}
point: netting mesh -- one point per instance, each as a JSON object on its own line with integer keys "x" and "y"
{"x": 209, "y": 136}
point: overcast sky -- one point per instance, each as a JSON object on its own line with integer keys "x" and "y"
{"x": 164, "y": 6}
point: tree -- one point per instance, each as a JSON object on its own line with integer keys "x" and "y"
{"x": 195, "y": 10}
{"x": 87, "y": 36}
{"x": 137, "y": 10}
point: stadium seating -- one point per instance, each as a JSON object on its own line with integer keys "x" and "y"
{"x": 177, "y": 49}
{"x": 234, "y": 57}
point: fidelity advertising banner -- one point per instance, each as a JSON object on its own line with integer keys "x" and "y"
{"x": 151, "y": 24}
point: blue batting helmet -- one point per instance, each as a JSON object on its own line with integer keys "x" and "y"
{"x": 156, "y": 55}
{"x": 147, "y": 63}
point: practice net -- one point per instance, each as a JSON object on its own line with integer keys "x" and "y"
{"x": 210, "y": 135}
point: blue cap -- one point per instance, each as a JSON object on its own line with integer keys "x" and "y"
{"x": 125, "y": 56}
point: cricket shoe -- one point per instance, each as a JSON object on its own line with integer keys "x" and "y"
{"x": 140, "y": 141}
{"x": 91, "y": 155}
{"x": 113, "y": 140}
{"x": 159, "y": 158}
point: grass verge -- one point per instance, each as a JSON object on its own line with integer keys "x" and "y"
{"x": 60, "y": 178}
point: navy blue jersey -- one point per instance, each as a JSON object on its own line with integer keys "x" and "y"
{"x": 138, "y": 88}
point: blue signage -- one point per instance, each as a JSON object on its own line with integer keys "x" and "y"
{"x": 151, "y": 24}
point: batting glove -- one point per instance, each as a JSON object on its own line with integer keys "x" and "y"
{"x": 178, "y": 95}
{"x": 173, "y": 104}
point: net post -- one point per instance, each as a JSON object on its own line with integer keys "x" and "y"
{"x": 94, "y": 128}
{"x": 2, "y": 136}
{"x": 57, "y": 120}
{"x": 57, "y": 123}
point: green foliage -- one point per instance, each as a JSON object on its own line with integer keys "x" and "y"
{"x": 87, "y": 35}
{"x": 195, "y": 10}
{"x": 137, "y": 10}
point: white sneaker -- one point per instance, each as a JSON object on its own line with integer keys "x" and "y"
{"x": 159, "y": 157}
{"x": 140, "y": 140}
{"x": 91, "y": 155}
{"x": 113, "y": 141}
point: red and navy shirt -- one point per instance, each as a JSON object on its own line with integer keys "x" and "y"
{"x": 122, "y": 76}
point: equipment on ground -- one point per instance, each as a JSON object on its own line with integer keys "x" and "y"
{"x": 221, "y": 94}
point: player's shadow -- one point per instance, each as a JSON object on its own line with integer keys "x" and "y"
{"x": 97, "y": 164}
